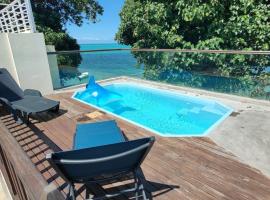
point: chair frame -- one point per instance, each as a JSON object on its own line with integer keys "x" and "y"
{"x": 20, "y": 114}
{"x": 138, "y": 180}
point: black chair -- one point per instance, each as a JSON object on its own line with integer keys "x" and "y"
{"x": 22, "y": 103}
{"x": 103, "y": 163}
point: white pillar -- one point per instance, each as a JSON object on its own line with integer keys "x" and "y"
{"x": 25, "y": 57}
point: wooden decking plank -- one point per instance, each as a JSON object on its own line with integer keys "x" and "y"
{"x": 194, "y": 168}
{"x": 204, "y": 170}
{"x": 60, "y": 130}
{"x": 134, "y": 130}
{"x": 187, "y": 150}
{"x": 31, "y": 148}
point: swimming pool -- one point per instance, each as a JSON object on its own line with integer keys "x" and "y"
{"x": 166, "y": 113}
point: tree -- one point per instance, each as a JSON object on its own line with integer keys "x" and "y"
{"x": 51, "y": 16}
{"x": 199, "y": 24}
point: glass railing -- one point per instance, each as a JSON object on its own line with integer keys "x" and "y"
{"x": 232, "y": 72}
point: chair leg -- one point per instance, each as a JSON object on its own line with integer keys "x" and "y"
{"x": 16, "y": 116}
{"x": 88, "y": 194}
{"x": 143, "y": 192}
{"x": 25, "y": 116}
{"x": 141, "y": 187}
{"x": 56, "y": 109}
{"x": 137, "y": 189}
{"x": 71, "y": 192}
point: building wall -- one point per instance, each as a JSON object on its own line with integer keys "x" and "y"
{"x": 25, "y": 56}
{"x": 6, "y": 60}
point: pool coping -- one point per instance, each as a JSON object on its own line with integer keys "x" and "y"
{"x": 149, "y": 84}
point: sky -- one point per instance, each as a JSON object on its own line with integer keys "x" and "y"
{"x": 102, "y": 31}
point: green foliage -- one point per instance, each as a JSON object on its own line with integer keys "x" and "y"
{"x": 62, "y": 41}
{"x": 199, "y": 24}
{"x": 64, "y": 11}
{"x": 51, "y": 18}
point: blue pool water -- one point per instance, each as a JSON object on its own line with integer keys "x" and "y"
{"x": 163, "y": 112}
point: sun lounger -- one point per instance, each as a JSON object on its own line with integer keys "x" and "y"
{"x": 22, "y": 103}
{"x": 109, "y": 157}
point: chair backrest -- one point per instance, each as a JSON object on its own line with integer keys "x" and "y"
{"x": 81, "y": 166}
{"x": 9, "y": 89}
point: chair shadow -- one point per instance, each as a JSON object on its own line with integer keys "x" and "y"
{"x": 32, "y": 140}
{"x": 40, "y": 117}
{"x": 152, "y": 189}
{"x": 48, "y": 115}
{"x": 31, "y": 135}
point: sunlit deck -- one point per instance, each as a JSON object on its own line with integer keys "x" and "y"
{"x": 176, "y": 168}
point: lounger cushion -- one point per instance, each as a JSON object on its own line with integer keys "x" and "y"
{"x": 34, "y": 104}
{"x": 97, "y": 134}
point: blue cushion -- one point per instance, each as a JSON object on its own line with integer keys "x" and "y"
{"x": 97, "y": 134}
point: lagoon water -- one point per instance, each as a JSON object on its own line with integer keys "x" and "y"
{"x": 102, "y": 65}
{"x": 108, "y": 64}
{"x": 103, "y": 46}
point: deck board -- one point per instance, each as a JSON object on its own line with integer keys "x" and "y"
{"x": 176, "y": 168}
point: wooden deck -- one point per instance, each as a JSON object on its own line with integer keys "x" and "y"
{"x": 176, "y": 168}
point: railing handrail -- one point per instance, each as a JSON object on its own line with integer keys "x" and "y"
{"x": 85, "y": 51}
{"x": 247, "y": 52}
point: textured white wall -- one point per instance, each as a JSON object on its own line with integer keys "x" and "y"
{"x": 6, "y": 59}
{"x": 26, "y": 56}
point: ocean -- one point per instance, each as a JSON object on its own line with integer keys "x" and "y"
{"x": 102, "y": 46}
{"x": 101, "y": 65}
{"x": 108, "y": 64}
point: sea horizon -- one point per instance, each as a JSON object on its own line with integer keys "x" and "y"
{"x": 97, "y": 46}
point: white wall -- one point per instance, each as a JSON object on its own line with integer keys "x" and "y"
{"x": 6, "y": 59}
{"x": 25, "y": 56}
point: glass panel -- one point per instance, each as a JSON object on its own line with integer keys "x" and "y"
{"x": 239, "y": 74}
{"x": 75, "y": 68}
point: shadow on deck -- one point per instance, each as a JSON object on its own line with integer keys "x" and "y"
{"x": 176, "y": 168}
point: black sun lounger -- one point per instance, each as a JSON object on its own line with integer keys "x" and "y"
{"x": 99, "y": 164}
{"x": 22, "y": 103}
